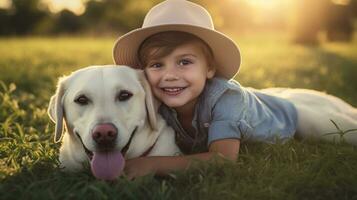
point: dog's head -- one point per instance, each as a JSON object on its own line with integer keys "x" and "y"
{"x": 102, "y": 107}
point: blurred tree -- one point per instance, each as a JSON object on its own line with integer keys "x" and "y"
{"x": 116, "y": 16}
{"x": 314, "y": 17}
{"x": 308, "y": 19}
{"x": 94, "y": 12}
{"x": 67, "y": 22}
{"x": 339, "y": 26}
{"x": 5, "y": 27}
{"x": 354, "y": 8}
{"x": 24, "y": 15}
{"x": 132, "y": 14}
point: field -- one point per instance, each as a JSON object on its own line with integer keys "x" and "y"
{"x": 30, "y": 67}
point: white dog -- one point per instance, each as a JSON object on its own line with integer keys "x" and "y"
{"x": 108, "y": 114}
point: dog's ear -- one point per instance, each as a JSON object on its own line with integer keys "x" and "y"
{"x": 56, "y": 110}
{"x": 151, "y": 103}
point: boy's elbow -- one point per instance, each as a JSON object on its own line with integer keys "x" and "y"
{"x": 227, "y": 148}
{"x": 229, "y": 156}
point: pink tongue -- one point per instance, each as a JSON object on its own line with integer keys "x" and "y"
{"x": 107, "y": 165}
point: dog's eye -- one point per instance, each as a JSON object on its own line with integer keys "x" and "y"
{"x": 124, "y": 95}
{"x": 82, "y": 100}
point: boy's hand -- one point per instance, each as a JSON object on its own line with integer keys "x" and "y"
{"x": 161, "y": 165}
{"x": 138, "y": 167}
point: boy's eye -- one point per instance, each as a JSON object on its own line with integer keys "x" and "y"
{"x": 184, "y": 62}
{"x": 155, "y": 65}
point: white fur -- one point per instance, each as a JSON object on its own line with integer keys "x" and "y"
{"x": 101, "y": 84}
{"x": 315, "y": 112}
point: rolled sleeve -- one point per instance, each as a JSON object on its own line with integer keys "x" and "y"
{"x": 223, "y": 130}
{"x": 227, "y": 115}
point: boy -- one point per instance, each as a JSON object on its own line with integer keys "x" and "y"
{"x": 188, "y": 65}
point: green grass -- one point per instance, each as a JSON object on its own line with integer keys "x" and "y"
{"x": 29, "y": 68}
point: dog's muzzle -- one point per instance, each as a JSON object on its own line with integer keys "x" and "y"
{"x": 108, "y": 139}
{"x": 108, "y": 162}
{"x": 105, "y": 135}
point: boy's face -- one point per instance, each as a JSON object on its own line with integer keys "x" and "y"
{"x": 179, "y": 78}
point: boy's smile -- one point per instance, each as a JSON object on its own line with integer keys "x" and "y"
{"x": 179, "y": 78}
{"x": 173, "y": 90}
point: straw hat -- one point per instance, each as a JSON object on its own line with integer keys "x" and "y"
{"x": 185, "y": 16}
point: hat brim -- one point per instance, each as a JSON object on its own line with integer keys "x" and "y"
{"x": 226, "y": 52}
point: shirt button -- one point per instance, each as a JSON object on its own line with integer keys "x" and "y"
{"x": 206, "y": 124}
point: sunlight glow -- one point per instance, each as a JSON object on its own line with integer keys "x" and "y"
{"x": 75, "y": 6}
{"x": 264, "y": 3}
{"x": 268, "y": 12}
{"x": 5, "y": 3}
{"x": 341, "y": 2}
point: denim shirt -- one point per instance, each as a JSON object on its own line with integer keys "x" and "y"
{"x": 225, "y": 110}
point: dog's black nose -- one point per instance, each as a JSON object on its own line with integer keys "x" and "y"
{"x": 104, "y": 135}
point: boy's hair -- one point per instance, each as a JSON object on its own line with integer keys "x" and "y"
{"x": 166, "y": 42}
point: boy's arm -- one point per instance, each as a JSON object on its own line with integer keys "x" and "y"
{"x": 161, "y": 165}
